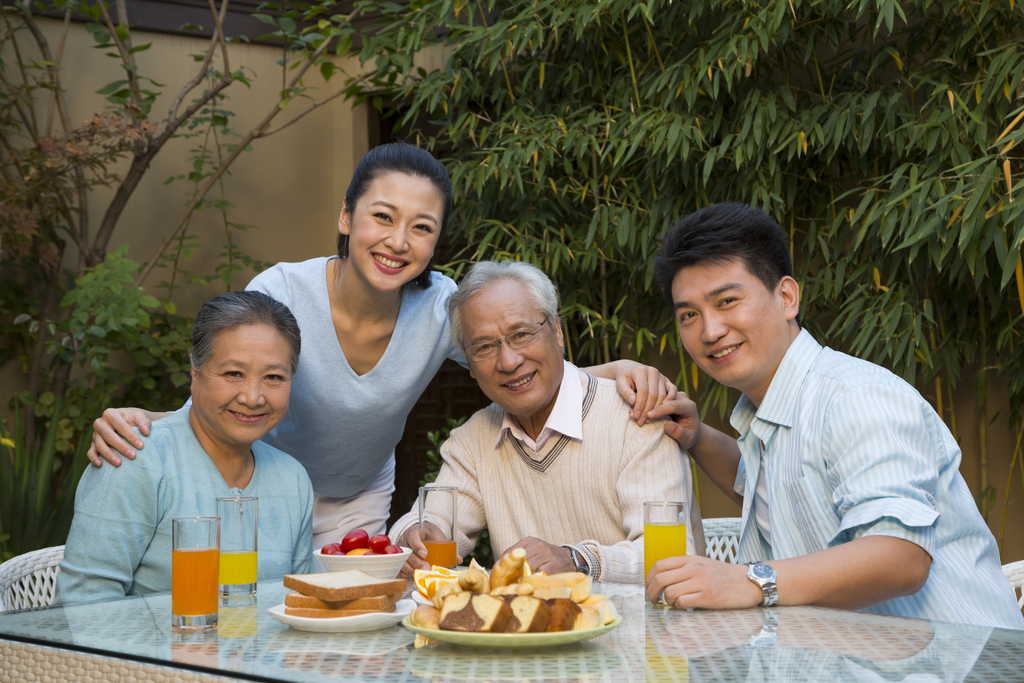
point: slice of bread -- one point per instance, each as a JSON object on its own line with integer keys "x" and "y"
{"x": 377, "y": 602}
{"x": 348, "y": 585}
{"x": 332, "y": 613}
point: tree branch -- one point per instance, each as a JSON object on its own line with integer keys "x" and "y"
{"x": 218, "y": 20}
{"x": 218, "y": 36}
{"x": 253, "y": 134}
{"x": 126, "y": 58}
{"x": 135, "y": 172}
{"x": 301, "y": 114}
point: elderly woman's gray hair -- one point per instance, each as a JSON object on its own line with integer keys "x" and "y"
{"x": 234, "y": 309}
{"x": 540, "y": 287}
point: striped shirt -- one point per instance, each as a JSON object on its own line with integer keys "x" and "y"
{"x": 851, "y": 450}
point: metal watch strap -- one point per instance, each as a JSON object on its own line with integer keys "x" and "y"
{"x": 579, "y": 561}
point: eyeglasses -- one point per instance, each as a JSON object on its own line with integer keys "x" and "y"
{"x": 516, "y": 339}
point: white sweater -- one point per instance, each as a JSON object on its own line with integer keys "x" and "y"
{"x": 587, "y": 493}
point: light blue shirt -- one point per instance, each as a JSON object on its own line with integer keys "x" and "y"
{"x": 851, "y": 450}
{"x": 341, "y": 426}
{"x": 120, "y": 539}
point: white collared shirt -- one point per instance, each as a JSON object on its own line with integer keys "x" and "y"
{"x": 566, "y": 416}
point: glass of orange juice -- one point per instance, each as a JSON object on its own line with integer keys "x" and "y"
{"x": 238, "y": 538}
{"x": 195, "y": 561}
{"x": 440, "y": 500}
{"x": 664, "y": 532}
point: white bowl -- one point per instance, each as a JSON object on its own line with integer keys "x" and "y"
{"x": 381, "y": 566}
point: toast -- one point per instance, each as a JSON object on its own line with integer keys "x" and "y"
{"x": 332, "y": 613}
{"x": 341, "y": 586}
{"x": 377, "y": 602}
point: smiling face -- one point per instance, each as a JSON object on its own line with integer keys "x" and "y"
{"x": 523, "y": 381}
{"x": 733, "y": 327}
{"x": 242, "y": 390}
{"x": 393, "y": 229}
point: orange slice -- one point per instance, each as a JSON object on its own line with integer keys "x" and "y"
{"x": 428, "y": 580}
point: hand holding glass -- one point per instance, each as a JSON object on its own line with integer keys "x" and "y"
{"x": 441, "y": 552}
{"x": 664, "y": 532}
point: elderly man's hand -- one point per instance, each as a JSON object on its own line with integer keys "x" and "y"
{"x": 413, "y": 538}
{"x": 545, "y": 557}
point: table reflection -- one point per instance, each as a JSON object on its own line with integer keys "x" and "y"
{"x": 652, "y": 644}
{"x": 372, "y": 653}
{"x": 778, "y": 644}
{"x": 576, "y": 662}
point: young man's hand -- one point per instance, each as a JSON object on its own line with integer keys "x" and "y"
{"x": 684, "y": 423}
{"x": 694, "y": 581}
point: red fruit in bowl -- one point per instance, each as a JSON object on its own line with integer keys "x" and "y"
{"x": 379, "y": 542}
{"x": 354, "y": 540}
{"x": 332, "y": 549}
{"x": 393, "y": 550}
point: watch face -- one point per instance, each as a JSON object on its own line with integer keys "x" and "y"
{"x": 762, "y": 571}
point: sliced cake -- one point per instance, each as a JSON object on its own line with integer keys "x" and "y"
{"x": 477, "y": 612}
{"x": 529, "y": 614}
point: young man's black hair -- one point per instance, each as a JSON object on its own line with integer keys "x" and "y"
{"x": 725, "y": 232}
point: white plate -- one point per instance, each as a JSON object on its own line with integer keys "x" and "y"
{"x": 360, "y": 622}
{"x": 419, "y": 598}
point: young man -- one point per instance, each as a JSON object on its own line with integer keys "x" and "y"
{"x": 848, "y": 480}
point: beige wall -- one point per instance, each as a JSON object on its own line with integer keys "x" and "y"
{"x": 290, "y": 186}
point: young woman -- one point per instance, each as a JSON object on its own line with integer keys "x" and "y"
{"x": 245, "y": 350}
{"x": 375, "y": 330}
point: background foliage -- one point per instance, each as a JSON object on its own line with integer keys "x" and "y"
{"x": 73, "y": 314}
{"x": 880, "y": 133}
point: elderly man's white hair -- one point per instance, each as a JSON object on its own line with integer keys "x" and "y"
{"x": 485, "y": 273}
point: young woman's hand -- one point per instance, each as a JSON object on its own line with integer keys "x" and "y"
{"x": 113, "y": 435}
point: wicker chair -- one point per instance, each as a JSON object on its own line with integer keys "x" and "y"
{"x": 1014, "y": 573}
{"x": 30, "y": 580}
{"x": 722, "y": 535}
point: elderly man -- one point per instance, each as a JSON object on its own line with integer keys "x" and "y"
{"x": 555, "y": 466}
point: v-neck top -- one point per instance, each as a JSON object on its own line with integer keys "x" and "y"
{"x": 343, "y": 427}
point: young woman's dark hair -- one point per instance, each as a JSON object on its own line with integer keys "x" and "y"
{"x": 725, "y": 232}
{"x": 398, "y": 157}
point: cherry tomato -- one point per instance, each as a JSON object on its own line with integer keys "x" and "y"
{"x": 379, "y": 542}
{"x": 354, "y": 540}
{"x": 332, "y": 549}
{"x": 393, "y": 550}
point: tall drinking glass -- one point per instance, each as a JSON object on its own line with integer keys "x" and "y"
{"x": 664, "y": 532}
{"x": 195, "y": 561}
{"x": 238, "y": 533}
{"x": 441, "y": 499}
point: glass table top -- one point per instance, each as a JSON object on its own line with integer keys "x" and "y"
{"x": 651, "y": 644}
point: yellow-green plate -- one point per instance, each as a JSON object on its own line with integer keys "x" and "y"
{"x": 511, "y": 640}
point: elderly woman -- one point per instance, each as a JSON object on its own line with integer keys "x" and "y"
{"x": 245, "y": 350}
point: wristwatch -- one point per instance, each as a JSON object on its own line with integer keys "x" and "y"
{"x": 579, "y": 561}
{"x": 764, "y": 576}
